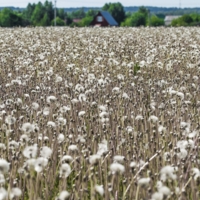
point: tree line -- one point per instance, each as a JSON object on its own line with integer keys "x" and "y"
{"x": 42, "y": 14}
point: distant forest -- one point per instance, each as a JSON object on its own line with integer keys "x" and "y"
{"x": 155, "y": 10}
{"x": 42, "y": 14}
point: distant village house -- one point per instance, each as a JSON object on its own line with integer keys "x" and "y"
{"x": 169, "y": 18}
{"x": 103, "y": 18}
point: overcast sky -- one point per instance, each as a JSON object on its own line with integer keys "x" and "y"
{"x": 100, "y": 3}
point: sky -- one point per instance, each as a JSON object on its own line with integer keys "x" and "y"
{"x": 100, "y": 3}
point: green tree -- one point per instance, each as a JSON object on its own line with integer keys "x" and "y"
{"x": 45, "y": 20}
{"x": 136, "y": 19}
{"x": 91, "y": 13}
{"x": 144, "y": 11}
{"x": 49, "y": 9}
{"x": 38, "y": 14}
{"x": 85, "y": 21}
{"x": 116, "y": 10}
{"x": 78, "y": 14}
{"x": 59, "y": 22}
{"x": 27, "y": 13}
{"x": 9, "y": 18}
{"x": 156, "y": 21}
{"x": 185, "y": 20}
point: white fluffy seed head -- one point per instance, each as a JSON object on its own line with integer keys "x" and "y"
{"x": 144, "y": 181}
{"x": 99, "y": 189}
{"x": 4, "y": 166}
{"x": 30, "y": 151}
{"x": 93, "y": 159}
{"x": 65, "y": 170}
{"x": 15, "y": 192}
{"x": 63, "y": 195}
{"x": 45, "y": 152}
{"x": 117, "y": 168}
{"x": 167, "y": 172}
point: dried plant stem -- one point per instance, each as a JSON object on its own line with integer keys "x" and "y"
{"x": 145, "y": 164}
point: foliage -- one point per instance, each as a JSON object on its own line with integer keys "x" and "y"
{"x": 79, "y": 14}
{"x": 116, "y": 10}
{"x": 156, "y": 21}
{"x": 136, "y": 19}
{"x": 85, "y": 21}
{"x": 186, "y": 20}
{"x": 9, "y": 18}
{"x": 59, "y": 22}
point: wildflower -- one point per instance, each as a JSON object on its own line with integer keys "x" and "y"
{"x": 139, "y": 117}
{"x": 61, "y": 121}
{"x": 129, "y": 129}
{"x": 2, "y": 146}
{"x": 65, "y": 170}
{"x": 196, "y": 173}
{"x": 35, "y": 106}
{"x": 51, "y": 124}
{"x": 157, "y": 196}
{"x": 103, "y": 114}
{"x": 27, "y": 128}
{"x": 82, "y": 97}
{"x": 73, "y": 147}
{"x": 163, "y": 189}
{"x": 64, "y": 109}
{"x": 167, "y": 172}
{"x": 80, "y": 139}
{"x": 15, "y": 192}
{"x": 4, "y": 166}
{"x": 46, "y": 111}
{"x": 10, "y": 120}
{"x": 153, "y": 119}
{"x": 45, "y": 152}
{"x": 93, "y": 159}
{"x": 81, "y": 113}
{"x": 24, "y": 138}
{"x": 182, "y": 154}
{"x": 102, "y": 148}
{"x": 13, "y": 144}
{"x": 63, "y": 195}
{"x": 99, "y": 189}
{"x": 119, "y": 158}
{"x": 40, "y": 164}
{"x": 2, "y": 179}
{"x": 117, "y": 168}
{"x": 125, "y": 95}
{"x": 51, "y": 99}
{"x": 180, "y": 94}
{"x": 102, "y": 107}
{"x": 144, "y": 181}
{"x": 30, "y": 151}
{"x": 66, "y": 159}
{"x": 74, "y": 101}
{"x": 116, "y": 90}
{"x": 58, "y": 79}
{"x": 30, "y": 163}
{"x": 3, "y": 193}
{"x": 60, "y": 138}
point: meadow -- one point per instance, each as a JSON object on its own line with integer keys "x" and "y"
{"x": 100, "y": 113}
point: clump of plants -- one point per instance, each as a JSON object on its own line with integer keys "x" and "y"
{"x": 90, "y": 113}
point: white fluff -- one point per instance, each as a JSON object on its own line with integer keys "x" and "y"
{"x": 93, "y": 159}
{"x": 167, "y": 172}
{"x": 63, "y": 195}
{"x": 144, "y": 181}
{"x": 45, "y": 152}
{"x": 117, "y": 168}
{"x": 65, "y": 170}
{"x": 99, "y": 189}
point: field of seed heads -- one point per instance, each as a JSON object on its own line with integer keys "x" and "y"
{"x": 100, "y": 113}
